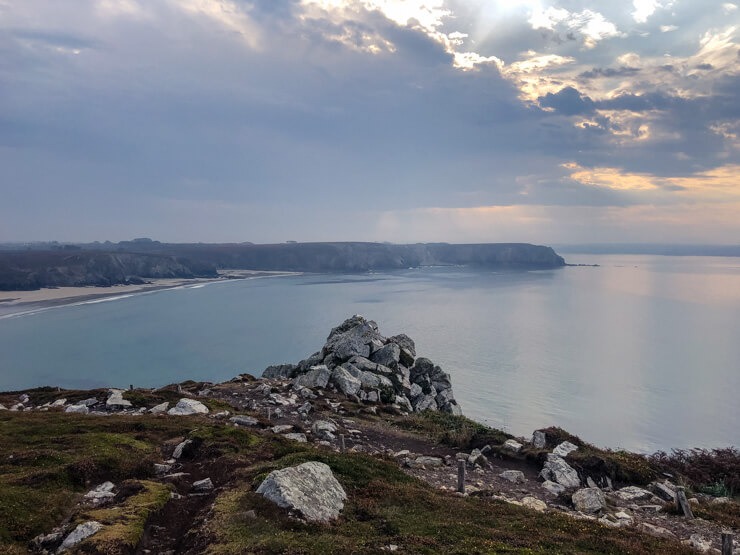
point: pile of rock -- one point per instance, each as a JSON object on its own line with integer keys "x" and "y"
{"x": 362, "y": 364}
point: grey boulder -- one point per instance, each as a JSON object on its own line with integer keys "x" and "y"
{"x": 317, "y": 376}
{"x": 589, "y": 500}
{"x": 309, "y": 489}
{"x": 188, "y": 407}
{"x": 83, "y": 531}
{"x": 345, "y": 382}
{"x": 559, "y": 471}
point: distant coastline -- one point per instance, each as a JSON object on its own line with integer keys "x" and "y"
{"x": 17, "y": 303}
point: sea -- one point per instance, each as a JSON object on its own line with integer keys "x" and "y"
{"x": 639, "y": 352}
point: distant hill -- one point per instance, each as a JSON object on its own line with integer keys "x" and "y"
{"x": 141, "y": 259}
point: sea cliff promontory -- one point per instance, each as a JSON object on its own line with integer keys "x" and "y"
{"x": 131, "y": 262}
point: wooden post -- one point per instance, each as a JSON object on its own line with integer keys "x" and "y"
{"x": 131, "y": 387}
{"x": 727, "y": 543}
{"x": 683, "y": 503}
{"x": 179, "y": 389}
{"x": 341, "y": 441}
{"x": 461, "y": 476}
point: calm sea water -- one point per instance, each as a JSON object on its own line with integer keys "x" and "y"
{"x": 641, "y": 353}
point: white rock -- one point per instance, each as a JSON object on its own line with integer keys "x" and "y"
{"x": 424, "y": 462}
{"x": 309, "y": 489}
{"x": 553, "y": 487}
{"x": 160, "y": 408}
{"x": 24, "y": 398}
{"x": 534, "y": 504}
{"x": 77, "y": 409}
{"x": 187, "y": 407}
{"x": 203, "y": 485}
{"x": 512, "y": 445}
{"x": 634, "y": 494}
{"x": 59, "y": 403}
{"x": 564, "y": 448}
{"x": 116, "y": 401}
{"x": 557, "y": 470}
{"x": 177, "y": 453}
{"x": 300, "y": 438}
{"x": 3, "y": 407}
{"x": 589, "y": 500}
{"x": 89, "y": 402}
{"x": 245, "y": 421}
{"x": 162, "y": 469}
{"x": 513, "y": 476}
{"x": 282, "y": 428}
{"x": 101, "y": 494}
{"x": 80, "y": 533}
{"x": 323, "y": 429}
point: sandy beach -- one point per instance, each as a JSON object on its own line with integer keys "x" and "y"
{"x": 16, "y": 302}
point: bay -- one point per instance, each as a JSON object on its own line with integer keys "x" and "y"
{"x": 641, "y": 353}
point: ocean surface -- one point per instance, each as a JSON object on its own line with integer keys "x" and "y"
{"x": 641, "y": 353}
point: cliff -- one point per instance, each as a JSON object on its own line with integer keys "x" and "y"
{"x": 23, "y": 271}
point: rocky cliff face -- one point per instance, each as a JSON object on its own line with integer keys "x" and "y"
{"x": 359, "y": 362}
{"x": 33, "y": 270}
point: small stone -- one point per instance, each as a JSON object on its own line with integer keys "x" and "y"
{"x": 698, "y": 543}
{"x": 24, "y": 398}
{"x": 101, "y": 494}
{"x": 162, "y": 469}
{"x": 564, "y": 449}
{"x": 633, "y": 494}
{"x": 424, "y": 462}
{"x": 177, "y": 453}
{"x": 513, "y": 476}
{"x": 512, "y": 445}
{"x": 59, "y": 403}
{"x": 244, "y": 421}
{"x": 553, "y": 487}
{"x": 282, "y": 428}
{"x": 203, "y": 485}
{"x": 324, "y": 429}
{"x": 80, "y": 533}
{"x": 77, "y": 409}
{"x": 534, "y": 504}
{"x": 300, "y": 438}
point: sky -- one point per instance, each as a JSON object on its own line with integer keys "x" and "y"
{"x": 541, "y": 121}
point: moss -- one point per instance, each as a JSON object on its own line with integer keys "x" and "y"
{"x": 124, "y": 523}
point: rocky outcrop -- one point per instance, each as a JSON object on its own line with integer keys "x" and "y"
{"x": 309, "y": 489}
{"x": 557, "y": 470}
{"x": 361, "y": 363}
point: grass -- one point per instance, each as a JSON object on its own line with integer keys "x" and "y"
{"x": 48, "y": 459}
{"x": 455, "y": 431}
{"x": 124, "y": 523}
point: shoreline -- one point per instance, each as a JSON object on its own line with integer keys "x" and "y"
{"x": 18, "y": 303}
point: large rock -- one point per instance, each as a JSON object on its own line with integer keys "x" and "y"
{"x": 634, "y": 494}
{"x": 354, "y": 337}
{"x": 188, "y": 407}
{"x": 557, "y": 470}
{"x": 539, "y": 440}
{"x": 387, "y": 355}
{"x": 309, "y": 489}
{"x": 589, "y": 500}
{"x": 78, "y": 409}
{"x": 407, "y": 348}
{"x": 345, "y": 382}
{"x": 317, "y": 376}
{"x": 279, "y": 371}
{"x": 83, "y": 531}
{"x": 116, "y": 401}
{"x": 101, "y": 494}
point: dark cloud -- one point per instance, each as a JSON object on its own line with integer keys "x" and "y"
{"x": 567, "y": 101}
{"x": 623, "y": 71}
